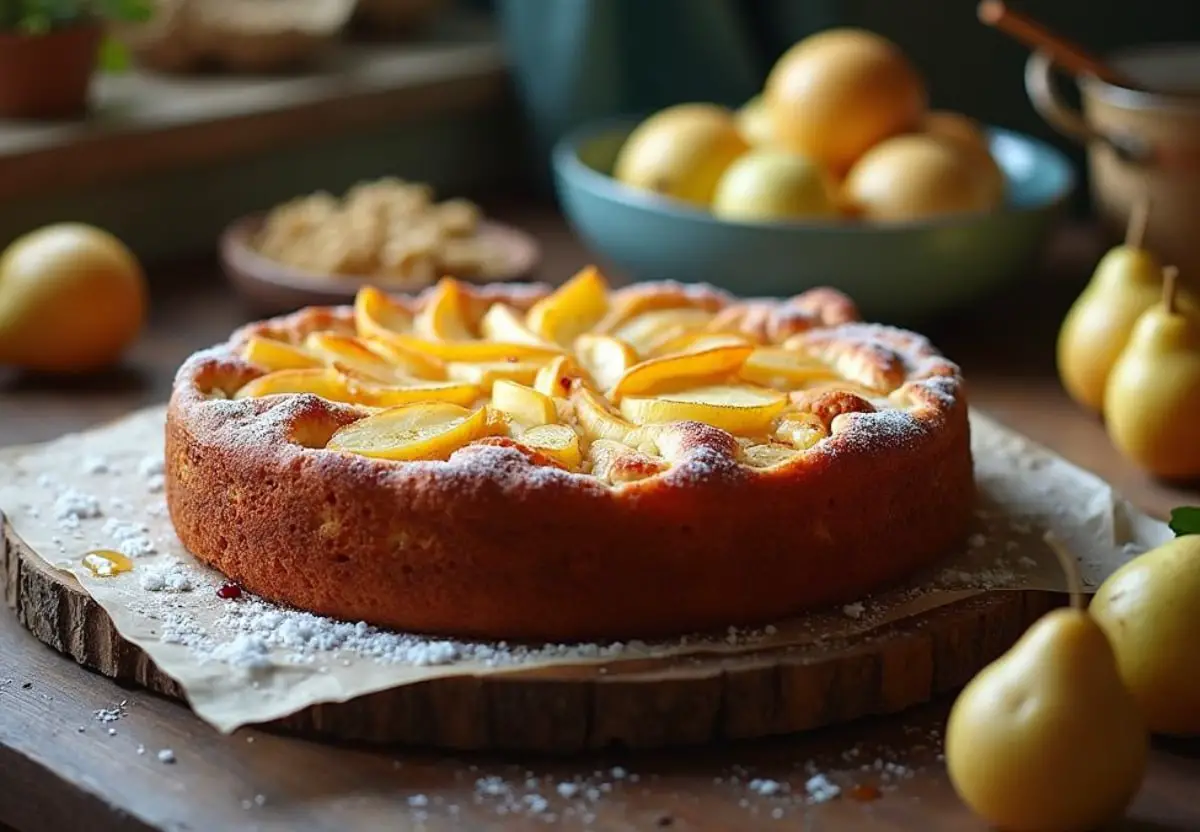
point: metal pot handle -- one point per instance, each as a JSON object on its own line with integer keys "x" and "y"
{"x": 1044, "y": 95}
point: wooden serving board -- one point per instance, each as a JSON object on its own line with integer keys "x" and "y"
{"x": 643, "y": 704}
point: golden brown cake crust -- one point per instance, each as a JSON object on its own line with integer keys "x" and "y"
{"x": 491, "y": 544}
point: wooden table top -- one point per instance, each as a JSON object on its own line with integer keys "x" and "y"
{"x": 63, "y": 768}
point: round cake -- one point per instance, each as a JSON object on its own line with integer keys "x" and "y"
{"x": 522, "y": 463}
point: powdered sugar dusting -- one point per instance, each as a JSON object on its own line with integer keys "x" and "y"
{"x": 72, "y": 505}
{"x": 168, "y": 575}
{"x": 131, "y": 539}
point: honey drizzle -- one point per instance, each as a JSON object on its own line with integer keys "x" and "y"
{"x": 107, "y": 563}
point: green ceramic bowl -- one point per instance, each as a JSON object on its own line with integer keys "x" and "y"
{"x": 900, "y": 273}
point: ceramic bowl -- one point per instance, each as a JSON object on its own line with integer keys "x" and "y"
{"x": 271, "y": 287}
{"x": 902, "y": 272}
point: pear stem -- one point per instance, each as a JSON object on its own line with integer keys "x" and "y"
{"x": 1070, "y": 566}
{"x": 1170, "y": 288}
{"x": 1139, "y": 218}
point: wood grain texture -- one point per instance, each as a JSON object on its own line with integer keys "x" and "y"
{"x": 643, "y": 704}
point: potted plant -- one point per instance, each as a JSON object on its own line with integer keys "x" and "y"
{"x": 49, "y": 50}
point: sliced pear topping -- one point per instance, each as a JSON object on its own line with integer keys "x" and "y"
{"x": 554, "y": 379}
{"x": 431, "y": 430}
{"x": 700, "y": 341}
{"x": 273, "y": 354}
{"x": 626, "y": 306}
{"x": 502, "y": 323}
{"x": 524, "y": 404}
{"x": 786, "y": 369}
{"x": 354, "y": 352}
{"x": 408, "y": 360}
{"x": 572, "y": 309}
{"x": 605, "y": 358}
{"x": 740, "y": 409}
{"x": 444, "y": 317}
{"x": 681, "y": 369}
{"x": 768, "y": 455}
{"x": 559, "y": 442}
{"x": 487, "y": 373}
{"x": 650, "y": 330}
{"x": 596, "y": 416}
{"x": 475, "y": 351}
{"x": 378, "y": 316}
{"x": 618, "y": 463}
{"x": 320, "y": 381}
{"x": 375, "y": 395}
{"x": 588, "y": 379}
{"x": 800, "y": 430}
{"x": 441, "y": 329}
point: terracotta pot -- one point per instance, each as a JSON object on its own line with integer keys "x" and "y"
{"x": 1140, "y": 142}
{"x": 47, "y": 76}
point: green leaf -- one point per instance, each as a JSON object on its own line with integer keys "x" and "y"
{"x": 1185, "y": 520}
{"x": 114, "y": 56}
{"x": 37, "y": 17}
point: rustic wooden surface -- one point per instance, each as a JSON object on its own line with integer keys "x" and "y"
{"x": 645, "y": 704}
{"x": 54, "y": 776}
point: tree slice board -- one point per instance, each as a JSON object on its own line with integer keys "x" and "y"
{"x": 643, "y": 704}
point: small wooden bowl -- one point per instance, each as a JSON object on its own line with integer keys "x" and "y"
{"x": 272, "y": 287}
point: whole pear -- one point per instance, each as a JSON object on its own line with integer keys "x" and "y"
{"x": 72, "y": 299}
{"x": 681, "y": 152}
{"x": 1047, "y": 736}
{"x": 754, "y": 122}
{"x": 767, "y": 184}
{"x": 1150, "y": 609}
{"x": 1127, "y": 282}
{"x": 1152, "y": 398}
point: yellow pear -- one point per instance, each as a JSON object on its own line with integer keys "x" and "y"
{"x": 968, "y": 134}
{"x": 840, "y": 92}
{"x": 754, "y": 122}
{"x": 1152, "y": 398}
{"x": 1150, "y": 609}
{"x": 1048, "y": 736}
{"x": 72, "y": 298}
{"x": 768, "y": 184}
{"x": 1127, "y": 282}
{"x": 958, "y": 128}
{"x": 916, "y": 176}
{"x": 681, "y": 152}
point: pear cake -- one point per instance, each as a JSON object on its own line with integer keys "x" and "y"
{"x": 515, "y": 462}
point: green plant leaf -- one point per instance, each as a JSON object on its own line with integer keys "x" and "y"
{"x": 1185, "y": 520}
{"x": 38, "y": 17}
{"x": 114, "y": 56}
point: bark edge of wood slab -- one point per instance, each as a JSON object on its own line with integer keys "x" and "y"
{"x": 656, "y": 705}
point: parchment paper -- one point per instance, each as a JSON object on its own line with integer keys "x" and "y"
{"x": 243, "y": 661}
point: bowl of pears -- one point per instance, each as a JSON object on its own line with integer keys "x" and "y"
{"x": 838, "y": 173}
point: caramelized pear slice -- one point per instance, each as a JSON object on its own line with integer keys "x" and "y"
{"x": 430, "y": 430}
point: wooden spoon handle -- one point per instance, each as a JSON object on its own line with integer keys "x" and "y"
{"x": 1036, "y": 36}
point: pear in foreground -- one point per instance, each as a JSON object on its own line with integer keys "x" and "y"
{"x": 1047, "y": 736}
{"x": 1150, "y": 609}
{"x": 1152, "y": 397}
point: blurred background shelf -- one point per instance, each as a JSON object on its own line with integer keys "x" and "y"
{"x": 165, "y": 162}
